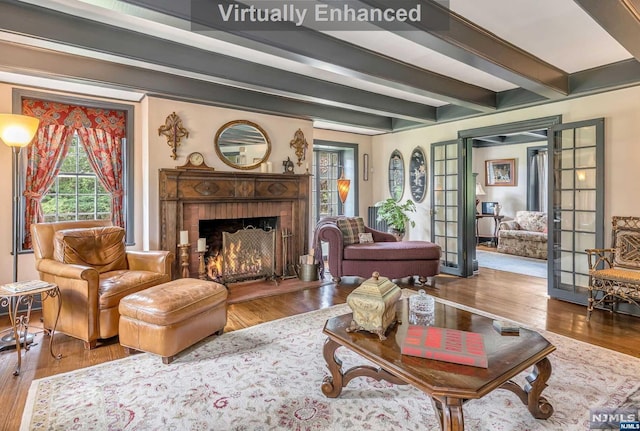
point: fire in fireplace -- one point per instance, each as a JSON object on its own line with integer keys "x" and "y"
{"x": 240, "y": 249}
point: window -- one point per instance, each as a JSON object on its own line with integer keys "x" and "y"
{"x": 76, "y": 193}
{"x": 330, "y": 159}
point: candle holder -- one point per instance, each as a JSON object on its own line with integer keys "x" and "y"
{"x": 202, "y": 270}
{"x": 184, "y": 259}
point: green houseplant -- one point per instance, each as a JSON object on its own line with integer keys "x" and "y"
{"x": 396, "y": 215}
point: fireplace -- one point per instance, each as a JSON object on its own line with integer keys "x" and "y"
{"x": 188, "y": 197}
{"x": 239, "y": 249}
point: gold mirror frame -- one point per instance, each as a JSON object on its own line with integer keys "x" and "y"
{"x": 248, "y": 141}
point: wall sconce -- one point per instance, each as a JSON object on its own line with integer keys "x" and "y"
{"x": 344, "y": 185}
{"x": 17, "y": 131}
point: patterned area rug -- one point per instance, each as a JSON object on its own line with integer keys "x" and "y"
{"x": 510, "y": 263}
{"x": 268, "y": 377}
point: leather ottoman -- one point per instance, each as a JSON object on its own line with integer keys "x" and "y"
{"x": 167, "y": 318}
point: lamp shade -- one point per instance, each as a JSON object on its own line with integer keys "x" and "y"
{"x": 344, "y": 185}
{"x": 479, "y": 190}
{"x": 17, "y": 130}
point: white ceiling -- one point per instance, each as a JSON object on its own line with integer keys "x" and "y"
{"x": 558, "y": 32}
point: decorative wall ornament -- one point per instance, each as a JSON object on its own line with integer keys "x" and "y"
{"x": 418, "y": 175}
{"x": 174, "y": 132}
{"x": 396, "y": 175}
{"x": 300, "y": 144}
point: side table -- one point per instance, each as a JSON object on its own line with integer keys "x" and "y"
{"x": 20, "y": 323}
{"x": 496, "y": 222}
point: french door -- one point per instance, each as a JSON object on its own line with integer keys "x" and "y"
{"x": 447, "y": 217}
{"x": 576, "y": 205}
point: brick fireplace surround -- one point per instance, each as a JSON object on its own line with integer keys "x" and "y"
{"x": 188, "y": 196}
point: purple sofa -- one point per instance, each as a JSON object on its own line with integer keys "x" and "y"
{"x": 391, "y": 258}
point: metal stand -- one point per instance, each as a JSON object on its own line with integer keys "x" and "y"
{"x": 184, "y": 259}
{"x": 202, "y": 269}
{"x": 9, "y": 340}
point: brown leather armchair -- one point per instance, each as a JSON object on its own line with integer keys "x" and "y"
{"x": 88, "y": 261}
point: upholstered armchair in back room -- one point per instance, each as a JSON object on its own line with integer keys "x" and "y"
{"x": 358, "y": 250}
{"x": 89, "y": 262}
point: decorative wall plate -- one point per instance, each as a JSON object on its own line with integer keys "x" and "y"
{"x": 418, "y": 175}
{"x": 396, "y": 175}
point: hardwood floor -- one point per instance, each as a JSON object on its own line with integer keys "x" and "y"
{"x": 510, "y": 295}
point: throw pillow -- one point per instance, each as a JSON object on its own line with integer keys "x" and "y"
{"x": 366, "y": 238}
{"x": 351, "y": 228}
{"x": 102, "y": 248}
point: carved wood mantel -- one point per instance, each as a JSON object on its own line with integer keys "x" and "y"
{"x": 188, "y": 196}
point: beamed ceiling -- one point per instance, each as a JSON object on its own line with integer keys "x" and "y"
{"x": 494, "y": 55}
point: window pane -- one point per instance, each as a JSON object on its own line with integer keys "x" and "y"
{"x": 48, "y": 204}
{"x": 86, "y": 205}
{"x": 104, "y": 204}
{"x": 87, "y": 185}
{"x": 67, "y": 185}
{"x": 66, "y": 203}
{"x": 83, "y": 162}
{"x": 69, "y": 162}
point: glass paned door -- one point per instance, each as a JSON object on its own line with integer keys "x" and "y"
{"x": 325, "y": 184}
{"x": 446, "y": 220}
{"x": 576, "y": 189}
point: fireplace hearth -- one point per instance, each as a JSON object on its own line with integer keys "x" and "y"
{"x": 240, "y": 249}
{"x": 188, "y": 197}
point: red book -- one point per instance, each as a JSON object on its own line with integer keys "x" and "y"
{"x": 445, "y": 344}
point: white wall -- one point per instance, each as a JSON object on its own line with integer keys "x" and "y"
{"x": 151, "y": 153}
{"x": 621, "y": 112}
{"x": 622, "y": 154}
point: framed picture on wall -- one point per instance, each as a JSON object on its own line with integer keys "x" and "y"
{"x": 500, "y": 172}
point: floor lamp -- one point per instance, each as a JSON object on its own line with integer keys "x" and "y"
{"x": 16, "y": 131}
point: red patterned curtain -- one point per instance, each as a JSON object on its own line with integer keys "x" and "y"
{"x": 43, "y": 164}
{"x": 105, "y": 157}
{"x": 48, "y": 150}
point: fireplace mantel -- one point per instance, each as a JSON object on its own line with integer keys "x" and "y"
{"x": 188, "y": 196}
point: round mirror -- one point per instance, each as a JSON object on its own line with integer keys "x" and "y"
{"x": 242, "y": 144}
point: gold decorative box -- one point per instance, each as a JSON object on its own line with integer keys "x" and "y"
{"x": 374, "y": 305}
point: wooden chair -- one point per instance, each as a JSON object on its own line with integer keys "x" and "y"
{"x": 614, "y": 273}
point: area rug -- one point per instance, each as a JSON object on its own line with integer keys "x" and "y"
{"x": 510, "y": 263}
{"x": 268, "y": 377}
{"x": 241, "y": 292}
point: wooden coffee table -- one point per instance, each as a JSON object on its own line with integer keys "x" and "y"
{"x": 449, "y": 385}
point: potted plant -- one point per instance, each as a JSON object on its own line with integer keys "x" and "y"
{"x": 395, "y": 215}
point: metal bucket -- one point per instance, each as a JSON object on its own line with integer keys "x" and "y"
{"x": 308, "y": 272}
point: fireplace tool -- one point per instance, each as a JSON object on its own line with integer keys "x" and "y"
{"x": 286, "y": 265}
